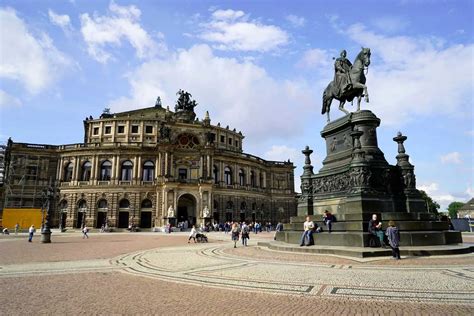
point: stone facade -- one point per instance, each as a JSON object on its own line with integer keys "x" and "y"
{"x": 152, "y": 166}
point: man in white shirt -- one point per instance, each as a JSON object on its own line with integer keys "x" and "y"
{"x": 307, "y": 237}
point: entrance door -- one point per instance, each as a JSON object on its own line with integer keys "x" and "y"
{"x": 254, "y": 218}
{"x": 123, "y": 220}
{"x": 228, "y": 217}
{"x": 100, "y": 219}
{"x": 63, "y": 219}
{"x": 80, "y": 218}
{"x": 216, "y": 217}
{"x": 187, "y": 209}
{"x": 145, "y": 220}
{"x": 242, "y": 217}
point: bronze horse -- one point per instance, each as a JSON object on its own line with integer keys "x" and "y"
{"x": 357, "y": 89}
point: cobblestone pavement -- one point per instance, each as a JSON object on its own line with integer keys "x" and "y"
{"x": 216, "y": 278}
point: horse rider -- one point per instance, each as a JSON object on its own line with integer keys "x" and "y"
{"x": 342, "y": 79}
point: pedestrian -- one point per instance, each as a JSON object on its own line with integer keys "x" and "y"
{"x": 192, "y": 234}
{"x": 307, "y": 236}
{"x": 393, "y": 236}
{"x": 85, "y": 230}
{"x": 245, "y": 234}
{"x": 235, "y": 232}
{"x": 17, "y": 228}
{"x": 31, "y": 232}
{"x": 328, "y": 219}
{"x": 278, "y": 228}
{"x": 5, "y": 231}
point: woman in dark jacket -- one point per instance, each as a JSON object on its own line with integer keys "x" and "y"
{"x": 393, "y": 236}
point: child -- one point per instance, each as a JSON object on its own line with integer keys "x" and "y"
{"x": 393, "y": 236}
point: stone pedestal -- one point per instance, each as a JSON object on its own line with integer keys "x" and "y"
{"x": 355, "y": 182}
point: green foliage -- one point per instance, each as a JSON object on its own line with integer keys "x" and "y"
{"x": 431, "y": 204}
{"x": 453, "y": 208}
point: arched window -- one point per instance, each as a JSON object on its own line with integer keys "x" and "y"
{"x": 241, "y": 177}
{"x": 146, "y": 203}
{"x": 68, "y": 172}
{"x": 254, "y": 206}
{"x": 228, "y": 176}
{"x": 63, "y": 205}
{"x": 230, "y": 205}
{"x": 126, "y": 171}
{"x": 252, "y": 179}
{"x": 216, "y": 205}
{"x": 148, "y": 171}
{"x": 261, "y": 180}
{"x": 82, "y": 206}
{"x": 124, "y": 203}
{"x": 105, "y": 171}
{"x": 215, "y": 171}
{"x": 243, "y": 206}
{"x": 86, "y": 171}
{"x": 102, "y": 203}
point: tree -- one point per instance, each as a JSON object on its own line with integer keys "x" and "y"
{"x": 431, "y": 204}
{"x": 453, "y": 208}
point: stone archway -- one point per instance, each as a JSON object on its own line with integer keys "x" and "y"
{"x": 186, "y": 209}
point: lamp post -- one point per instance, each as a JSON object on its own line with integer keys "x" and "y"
{"x": 47, "y": 195}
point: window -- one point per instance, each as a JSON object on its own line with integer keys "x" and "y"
{"x": 102, "y": 204}
{"x": 126, "y": 172}
{"x": 105, "y": 171}
{"x": 121, "y": 129}
{"x": 237, "y": 143}
{"x": 146, "y": 203}
{"x": 222, "y": 139}
{"x": 86, "y": 171}
{"x": 241, "y": 177}
{"x": 261, "y": 180}
{"x": 243, "y": 206}
{"x": 230, "y": 141}
{"x": 63, "y": 206}
{"x": 149, "y": 129}
{"x": 134, "y": 129}
{"x": 82, "y": 206}
{"x": 124, "y": 203}
{"x": 215, "y": 171}
{"x": 148, "y": 171}
{"x": 228, "y": 176}
{"x": 108, "y": 129}
{"x": 96, "y": 131}
{"x": 187, "y": 141}
{"x": 252, "y": 179}
{"x": 182, "y": 173}
{"x": 68, "y": 172}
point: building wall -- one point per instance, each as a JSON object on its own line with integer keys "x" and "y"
{"x": 23, "y": 216}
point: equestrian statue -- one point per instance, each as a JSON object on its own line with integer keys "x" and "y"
{"x": 349, "y": 81}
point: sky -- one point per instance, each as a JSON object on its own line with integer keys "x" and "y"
{"x": 258, "y": 66}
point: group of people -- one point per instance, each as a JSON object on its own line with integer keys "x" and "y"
{"x": 392, "y": 233}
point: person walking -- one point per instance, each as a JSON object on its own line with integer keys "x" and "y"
{"x": 17, "y": 228}
{"x": 245, "y": 234}
{"x": 235, "y": 232}
{"x": 278, "y": 228}
{"x": 393, "y": 236}
{"x": 192, "y": 234}
{"x": 85, "y": 230}
{"x": 31, "y": 232}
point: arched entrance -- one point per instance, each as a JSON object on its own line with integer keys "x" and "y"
{"x": 187, "y": 209}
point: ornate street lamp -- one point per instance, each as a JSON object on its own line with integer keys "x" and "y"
{"x": 46, "y": 196}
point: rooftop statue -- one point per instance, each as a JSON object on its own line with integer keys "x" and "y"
{"x": 349, "y": 81}
{"x": 184, "y": 101}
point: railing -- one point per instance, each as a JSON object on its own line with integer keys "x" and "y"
{"x": 127, "y": 182}
{"x": 81, "y": 183}
{"x": 103, "y": 182}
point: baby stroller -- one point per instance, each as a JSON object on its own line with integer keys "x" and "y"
{"x": 201, "y": 237}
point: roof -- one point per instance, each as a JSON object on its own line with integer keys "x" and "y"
{"x": 468, "y": 206}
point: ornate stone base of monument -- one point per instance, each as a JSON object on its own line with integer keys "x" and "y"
{"x": 355, "y": 182}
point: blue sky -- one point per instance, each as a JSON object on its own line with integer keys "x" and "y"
{"x": 257, "y": 66}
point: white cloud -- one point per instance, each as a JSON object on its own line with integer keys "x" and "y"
{"x": 470, "y": 191}
{"x": 31, "y": 60}
{"x": 231, "y": 30}
{"x": 454, "y": 157}
{"x": 470, "y": 133}
{"x": 63, "y": 21}
{"x": 122, "y": 23}
{"x": 415, "y": 76}
{"x": 282, "y": 153}
{"x": 390, "y": 23}
{"x": 296, "y": 21}
{"x": 315, "y": 58}
{"x": 441, "y": 196}
{"x": 235, "y": 92}
{"x": 8, "y": 100}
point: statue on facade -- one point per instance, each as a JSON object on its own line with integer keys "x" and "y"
{"x": 184, "y": 101}
{"x": 349, "y": 82}
{"x": 171, "y": 212}
{"x": 165, "y": 132}
{"x": 205, "y": 212}
{"x": 158, "y": 102}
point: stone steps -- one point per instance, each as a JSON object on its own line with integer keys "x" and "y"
{"x": 363, "y": 226}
